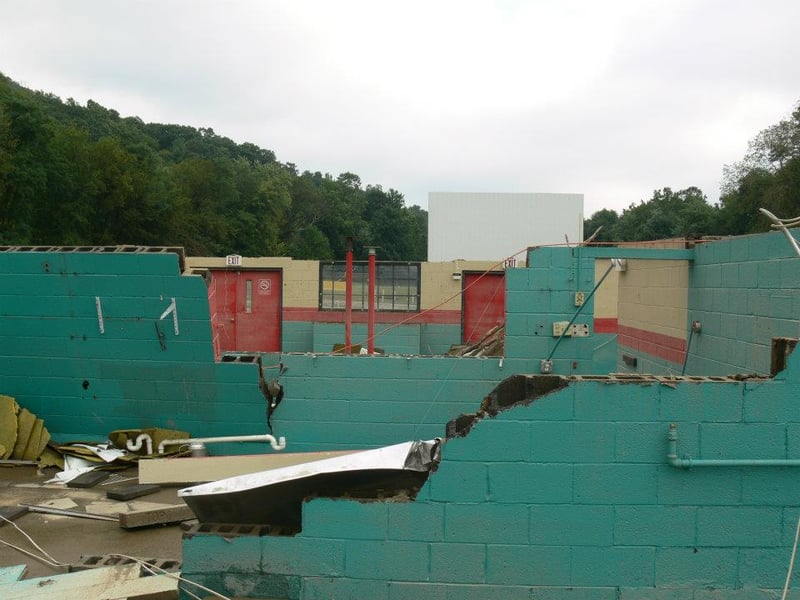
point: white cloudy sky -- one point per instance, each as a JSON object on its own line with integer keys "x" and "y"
{"x": 610, "y": 98}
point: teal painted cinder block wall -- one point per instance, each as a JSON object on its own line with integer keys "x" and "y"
{"x": 138, "y": 373}
{"x": 744, "y": 291}
{"x": 545, "y": 292}
{"x": 425, "y": 339}
{"x": 569, "y": 496}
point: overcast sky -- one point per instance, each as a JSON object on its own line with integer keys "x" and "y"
{"x": 611, "y": 99}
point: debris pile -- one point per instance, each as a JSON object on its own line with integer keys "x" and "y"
{"x": 491, "y": 344}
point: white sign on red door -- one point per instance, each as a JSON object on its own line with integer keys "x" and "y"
{"x": 264, "y": 286}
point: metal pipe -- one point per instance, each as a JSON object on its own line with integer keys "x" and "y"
{"x": 687, "y": 461}
{"x": 137, "y": 444}
{"x": 371, "y": 300}
{"x": 278, "y": 444}
{"x": 783, "y": 225}
{"x": 348, "y": 298}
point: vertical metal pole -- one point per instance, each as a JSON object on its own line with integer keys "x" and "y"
{"x": 371, "y": 309}
{"x": 348, "y": 298}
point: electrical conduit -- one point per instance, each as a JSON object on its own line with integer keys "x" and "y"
{"x": 687, "y": 461}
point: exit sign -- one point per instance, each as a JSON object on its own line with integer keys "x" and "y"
{"x": 233, "y": 260}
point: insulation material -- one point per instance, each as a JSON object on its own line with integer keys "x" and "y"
{"x": 22, "y": 435}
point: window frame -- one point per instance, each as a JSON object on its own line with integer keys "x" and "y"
{"x": 361, "y": 285}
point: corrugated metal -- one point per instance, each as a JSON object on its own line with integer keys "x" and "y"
{"x": 493, "y": 226}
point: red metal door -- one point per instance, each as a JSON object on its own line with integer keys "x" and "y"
{"x": 483, "y": 304}
{"x": 246, "y": 311}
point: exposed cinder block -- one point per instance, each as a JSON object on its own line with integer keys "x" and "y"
{"x": 648, "y": 593}
{"x": 655, "y": 525}
{"x": 486, "y": 522}
{"x": 458, "y": 563}
{"x": 531, "y": 483}
{"x": 766, "y": 567}
{"x": 697, "y": 566}
{"x": 698, "y": 486}
{"x": 739, "y": 526}
{"x": 326, "y": 588}
{"x": 743, "y": 440}
{"x": 605, "y": 566}
{"x": 571, "y": 525}
{"x": 394, "y": 560}
{"x": 481, "y": 441}
{"x": 615, "y": 484}
{"x": 300, "y": 555}
{"x": 571, "y": 441}
{"x": 460, "y": 481}
{"x": 416, "y": 521}
{"x": 528, "y": 565}
{"x": 574, "y": 593}
{"x": 341, "y": 518}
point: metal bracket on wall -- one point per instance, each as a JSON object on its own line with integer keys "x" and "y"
{"x": 100, "y": 322}
{"x": 172, "y": 308}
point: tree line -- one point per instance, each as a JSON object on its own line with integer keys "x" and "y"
{"x": 768, "y": 176}
{"x": 83, "y": 175}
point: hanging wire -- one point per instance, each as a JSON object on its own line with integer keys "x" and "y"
{"x": 449, "y": 298}
{"x": 152, "y": 569}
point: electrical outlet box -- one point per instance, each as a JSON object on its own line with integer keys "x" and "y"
{"x": 560, "y": 328}
{"x": 579, "y": 298}
{"x": 581, "y": 330}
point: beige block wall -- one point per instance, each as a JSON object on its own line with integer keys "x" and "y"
{"x": 607, "y": 295}
{"x": 300, "y": 277}
{"x": 437, "y": 283}
{"x": 654, "y": 296}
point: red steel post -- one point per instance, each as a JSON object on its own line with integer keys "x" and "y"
{"x": 371, "y": 300}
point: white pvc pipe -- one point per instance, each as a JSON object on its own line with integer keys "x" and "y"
{"x": 278, "y": 444}
{"x": 137, "y": 445}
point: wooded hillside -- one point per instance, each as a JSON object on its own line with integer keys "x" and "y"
{"x": 83, "y": 175}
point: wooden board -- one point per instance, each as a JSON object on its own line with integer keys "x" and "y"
{"x": 88, "y": 479}
{"x": 132, "y": 491}
{"x": 211, "y": 468}
{"x": 108, "y": 583}
{"x": 157, "y": 516}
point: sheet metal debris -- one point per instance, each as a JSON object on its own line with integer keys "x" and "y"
{"x": 275, "y": 496}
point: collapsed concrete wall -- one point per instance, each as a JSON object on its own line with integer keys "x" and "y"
{"x": 559, "y": 488}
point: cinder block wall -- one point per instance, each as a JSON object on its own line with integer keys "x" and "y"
{"x": 568, "y": 497}
{"x": 545, "y": 292}
{"x": 139, "y": 373}
{"x": 744, "y": 291}
{"x": 653, "y": 301}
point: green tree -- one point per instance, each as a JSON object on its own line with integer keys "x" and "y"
{"x": 607, "y": 220}
{"x": 668, "y": 214}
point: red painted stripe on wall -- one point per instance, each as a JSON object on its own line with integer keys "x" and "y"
{"x": 606, "y": 325}
{"x": 438, "y": 317}
{"x": 665, "y": 347}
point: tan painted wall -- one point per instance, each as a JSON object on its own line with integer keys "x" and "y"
{"x": 301, "y": 278}
{"x": 437, "y": 283}
{"x": 654, "y": 295}
{"x": 607, "y": 295}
